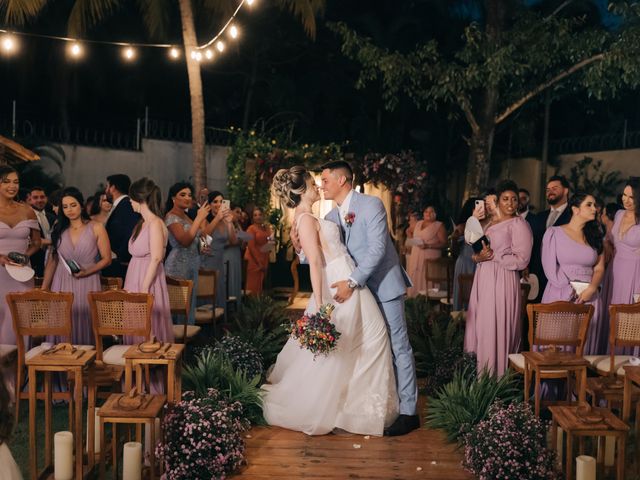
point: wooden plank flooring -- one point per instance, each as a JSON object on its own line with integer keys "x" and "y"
{"x": 274, "y": 452}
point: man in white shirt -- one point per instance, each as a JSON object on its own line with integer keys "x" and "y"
{"x": 38, "y": 200}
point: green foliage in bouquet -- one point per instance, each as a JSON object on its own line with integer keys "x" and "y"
{"x": 260, "y": 323}
{"x": 459, "y": 405}
{"x": 509, "y": 445}
{"x": 214, "y": 370}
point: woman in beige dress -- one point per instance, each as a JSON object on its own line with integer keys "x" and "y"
{"x": 432, "y": 238}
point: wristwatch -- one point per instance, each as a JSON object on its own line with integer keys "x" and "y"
{"x": 351, "y": 284}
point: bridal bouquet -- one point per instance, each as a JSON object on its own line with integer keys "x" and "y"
{"x": 316, "y": 332}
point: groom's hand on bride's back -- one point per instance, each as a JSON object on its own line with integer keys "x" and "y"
{"x": 295, "y": 239}
{"x": 343, "y": 292}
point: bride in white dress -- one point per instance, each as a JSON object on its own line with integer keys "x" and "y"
{"x": 353, "y": 387}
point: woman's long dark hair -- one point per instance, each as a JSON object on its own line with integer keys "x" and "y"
{"x": 467, "y": 210}
{"x": 634, "y": 183}
{"x": 173, "y": 191}
{"x": 62, "y": 222}
{"x": 146, "y": 191}
{"x": 591, "y": 230}
{"x": 210, "y": 198}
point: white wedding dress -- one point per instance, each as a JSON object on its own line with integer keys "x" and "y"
{"x": 352, "y": 388}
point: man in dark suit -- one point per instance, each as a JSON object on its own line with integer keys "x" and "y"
{"x": 37, "y": 198}
{"x": 120, "y": 224}
{"x": 559, "y": 214}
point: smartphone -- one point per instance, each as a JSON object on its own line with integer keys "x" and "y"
{"x": 226, "y": 204}
{"x": 480, "y": 208}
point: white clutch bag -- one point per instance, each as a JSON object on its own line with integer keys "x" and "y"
{"x": 579, "y": 287}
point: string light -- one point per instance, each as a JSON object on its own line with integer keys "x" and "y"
{"x": 75, "y": 50}
{"x": 9, "y": 44}
{"x": 129, "y": 53}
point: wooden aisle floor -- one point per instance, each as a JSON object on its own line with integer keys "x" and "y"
{"x": 274, "y": 452}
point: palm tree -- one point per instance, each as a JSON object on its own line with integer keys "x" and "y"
{"x": 155, "y": 13}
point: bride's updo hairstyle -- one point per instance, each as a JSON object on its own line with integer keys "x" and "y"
{"x": 289, "y": 184}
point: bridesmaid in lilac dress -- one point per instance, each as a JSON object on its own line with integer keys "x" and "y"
{"x": 77, "y": 239}
{"x": 19, "y": 232}
{"x": 147, "y": 246}
{"x": 574, "y": 252}
{"x": 493, "y": 319}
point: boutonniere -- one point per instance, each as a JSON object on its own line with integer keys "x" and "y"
{"x": 349, "y": 218}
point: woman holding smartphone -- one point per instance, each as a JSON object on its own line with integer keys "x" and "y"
{"x": 493, "y": 319}
{"x": 76, "y": 242}
{"x": 221, "y": 231}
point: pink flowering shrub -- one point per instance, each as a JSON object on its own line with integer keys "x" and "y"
{"x": 202, "y": 437}
{"x": 510, "y": 444}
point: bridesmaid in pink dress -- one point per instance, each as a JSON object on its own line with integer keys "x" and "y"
{"x": 75, "y": 238}
{"x": 19, "y": 232}
{"x": 434, "y": 238}
{"x": 574, "y": 252}
{"x": 493, "y": 319}
{"x": 147, "y": 246}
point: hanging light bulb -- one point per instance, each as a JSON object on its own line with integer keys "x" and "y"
{"x": 75, "y": 50}
{"x": 209, "y": 54}
{"x": 249, "y": 2}
{"x": 220, "y": 46}
{"x": 196, "y": 55}
{"x": 9, "y": 44}
{"x": 174, "y": 53}
{"x": 233, "y": 32}
{"x": 129, "y": 53}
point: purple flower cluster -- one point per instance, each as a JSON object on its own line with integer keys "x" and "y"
{"x": 510, "y": 444}
{"x": 202, "y": 437}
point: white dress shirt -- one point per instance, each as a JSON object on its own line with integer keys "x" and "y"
{"x": 343, "y": 208}
{"x": 115, "y": 203}
{"x": 44, "y": 223}
{"x": 555, "y": 213}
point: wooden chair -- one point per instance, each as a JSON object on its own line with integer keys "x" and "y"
{"x": 624, "y": 331}
{"x": 116, "y": 312}
{"x": 111, "y": 283}
{"x": 438, "y": 271}
{"x": 207, "y": 314}
{"x": 38, "y": 313}
{"x": 180, "y": 302}
{"x": 557, "y": 324}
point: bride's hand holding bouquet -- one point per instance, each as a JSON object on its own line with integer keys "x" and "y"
{"x": 315, "y": 332}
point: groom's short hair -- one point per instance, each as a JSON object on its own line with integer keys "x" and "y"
{"x": 340, "y": 165}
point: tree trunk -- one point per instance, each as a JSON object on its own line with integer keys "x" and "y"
{"x": 197, "y": 99}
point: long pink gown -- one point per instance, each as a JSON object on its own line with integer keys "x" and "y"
{"x": 84, "y": 253}
{"x": 12, "y": 239}
{"x": 415, "y": 265}
{"x": 140, "y": 250}
{"x": 625, "y": 267}
{"x": 493, "y": 328}
{"x": 564, "y": 260}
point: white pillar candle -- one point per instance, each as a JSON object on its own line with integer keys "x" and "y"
{"x": 585, "y": 468}
{"x": 63, "y": 456}
{"x": 96, "y": 431}
{"x": 132, "y": 461}
{"x": 609, "y": 451}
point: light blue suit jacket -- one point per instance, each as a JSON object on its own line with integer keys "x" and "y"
{"x": 371, "y": 247}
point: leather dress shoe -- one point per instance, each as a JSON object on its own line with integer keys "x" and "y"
{"x": 403, "y": 425}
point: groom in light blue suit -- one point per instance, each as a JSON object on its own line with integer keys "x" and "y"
{"x": 363, "y": 220}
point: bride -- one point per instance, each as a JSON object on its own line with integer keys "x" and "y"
{"x": 353, "y": 387}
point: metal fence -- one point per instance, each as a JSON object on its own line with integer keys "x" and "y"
{"x": 126, "y": 137}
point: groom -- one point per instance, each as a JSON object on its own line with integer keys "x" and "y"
{"x": 363, "y": 219}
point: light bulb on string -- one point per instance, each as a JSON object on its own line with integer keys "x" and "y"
{"x": 174, "y": 53}
{"x": 75, "y": 50}
{"x": 196, "y": 55}
{"x": 220, "y": 46}
{"x": 129, "y": 53}
{"x": 209, "y": 54}
{"x": 249, "y": 2}
{"x": 9, "y": 44}
{"x": 233, "y": 32}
